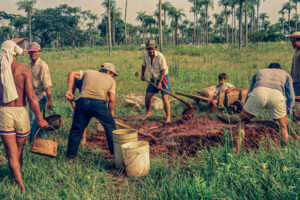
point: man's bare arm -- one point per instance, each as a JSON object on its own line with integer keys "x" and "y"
{"x": 71, "y": 77}
{"x": 162, "y": 76}
{"x": 143, "y": 73}
{"x": 111, "y": 102}
{"x": 48, "y": 93}
{"x": 32, "y": 100}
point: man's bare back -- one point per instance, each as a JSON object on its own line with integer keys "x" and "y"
{"x": 23, "y": 82}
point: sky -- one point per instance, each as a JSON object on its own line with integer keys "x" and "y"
{"x": 271, "y": 7}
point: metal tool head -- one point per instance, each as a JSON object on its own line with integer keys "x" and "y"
{"x": 189, "y": 112}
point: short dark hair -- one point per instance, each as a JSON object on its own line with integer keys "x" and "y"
{"x": 222, "y": 76}
{"x": 274, "y": 66}
{"x": 103, "y": 70}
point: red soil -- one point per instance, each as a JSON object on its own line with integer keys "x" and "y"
{"x": 189, "y": 135}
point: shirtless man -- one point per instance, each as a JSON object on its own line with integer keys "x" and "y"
{"x": 15, "y": 88}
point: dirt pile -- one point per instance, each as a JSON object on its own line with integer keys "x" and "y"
{"x": 190, "y": 135}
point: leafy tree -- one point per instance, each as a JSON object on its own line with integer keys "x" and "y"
{"x": 27, "y": 6}
{"x": 141, "y": 17}
{"x": 177, "y": 15}
{"x": 296, "y": 14}
{"x": 288, "y": 7}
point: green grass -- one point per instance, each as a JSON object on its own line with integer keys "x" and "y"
{"x": 216, "y": 173}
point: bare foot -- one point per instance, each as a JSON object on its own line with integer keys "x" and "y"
{"x": 168, "y": 120}
{"x": 146, "y": 116}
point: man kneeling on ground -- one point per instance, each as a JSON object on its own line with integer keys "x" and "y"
{"x": 97, "y": 99}
{"x": 267, "y": 91}
{"x": 15, "y": 87}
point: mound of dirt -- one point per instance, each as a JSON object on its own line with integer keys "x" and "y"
{"x": 190, "y": 135}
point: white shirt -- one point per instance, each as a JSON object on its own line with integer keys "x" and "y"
{"x": 225, "y": 86}
{"x": 158, "y": 64}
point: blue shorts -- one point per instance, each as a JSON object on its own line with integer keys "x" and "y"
{"x": 165, "y": 84}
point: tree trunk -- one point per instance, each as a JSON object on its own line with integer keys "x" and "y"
{"x": 143, "y": 32}
{"x": 160, "y": 29}
{"x": 246, "y": 25}
{"x": 109, "y": 28}
{"x": 235, "y": 31}
{"x": 226, "y": 25}
{"x": 125, "y": 31}
{"x": 176, "y": 31}
{"x": 29, "y": 26}
{"x": 206, "y": 24}
{"x": 296, "y": 16}
{"x": 232, "y": 26}
{"x": 289, "y": 13}
{"x": 113, "y": 26}
{"x": 240, "y": 25}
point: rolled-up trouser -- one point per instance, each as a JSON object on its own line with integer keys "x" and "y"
{"x": 85, "y": 109}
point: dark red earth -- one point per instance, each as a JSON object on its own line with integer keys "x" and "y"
{"x": 188, "y": 136}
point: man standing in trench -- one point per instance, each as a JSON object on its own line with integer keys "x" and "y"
{"x": 267, "y": 92}
{"x": 158, "y": 69}
{"x": 15, "y": 88}
{"x": 97, "y": 99}
{"x": 41, "y": 81}
{"x": 295, "y": 71}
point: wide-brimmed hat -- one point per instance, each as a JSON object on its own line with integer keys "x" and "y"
{"x": 109, "y": 67}
{"x": 151, "y": 43}
{"x": 33, "y": 46}
{"x": 296, "y": 34}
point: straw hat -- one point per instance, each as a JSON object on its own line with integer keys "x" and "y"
{"x": 109, "y": 67}
{"x": 33, "y": 46}
{"x": 296, "y": 34}
{"x": 151, "y": 43}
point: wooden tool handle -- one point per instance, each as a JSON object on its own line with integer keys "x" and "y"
{"x": 162, "y": 89}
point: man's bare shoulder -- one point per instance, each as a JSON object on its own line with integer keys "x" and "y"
{"x": 25, "y": 71}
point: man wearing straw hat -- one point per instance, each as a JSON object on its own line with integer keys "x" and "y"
{"x": 41, "y": 84}
{"x": 15, "y": 89}
{"x": 158, "y": 69}
{"x": 97, "y": 99}
{"x": 295, "y": 71}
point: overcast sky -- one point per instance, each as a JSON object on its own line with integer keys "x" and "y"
{"x": 271, "y": 7}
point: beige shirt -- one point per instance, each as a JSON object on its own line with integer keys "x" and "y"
{"x": 295, "y": 72}
{"x": 96, "y": 85}
{"x": 159, "y": 63}
{"x": 41, "y": 78}
{"x": 225, "y": 86}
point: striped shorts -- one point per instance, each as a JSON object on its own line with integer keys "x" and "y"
{"x": 14, "y": 120}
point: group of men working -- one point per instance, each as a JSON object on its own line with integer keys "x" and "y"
{"x": 19, "y": 85}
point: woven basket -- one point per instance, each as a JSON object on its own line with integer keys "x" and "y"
{"x": 44, "y": 146}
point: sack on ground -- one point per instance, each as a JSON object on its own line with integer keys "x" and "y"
{"x": 208, "y": 92}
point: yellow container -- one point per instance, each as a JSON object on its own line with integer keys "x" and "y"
{"x": 122, "y": 136}
{"x": 136, "y": 158}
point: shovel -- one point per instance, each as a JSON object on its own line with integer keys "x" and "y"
{"x": 188, "y": 111}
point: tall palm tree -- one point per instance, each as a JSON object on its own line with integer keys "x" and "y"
{"x": 240, "y": 22}
{"x": 263, "y": 17}
{"x": 109, "y": 26}
{"x": 296, "y": 14}
{"x": 160, "y": 28}
{"x": 165, "y": 7}
{"x": 125, "y": 28}
{"x": 206, "y": 4}
{"x": 288, "y": 7}
{"x": 177, "y": 15}
{"x": 225, "y": 3}
{"x": 233, "y": 17}
{"x": 27, "y": 6}
{"x": 149, "y": 21}
{"x": 141, "y": 17}
{"x": 257, "y": 2}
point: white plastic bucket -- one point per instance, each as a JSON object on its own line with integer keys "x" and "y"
{"x": 122, "y": 136}
{"x": 136, "y": 158}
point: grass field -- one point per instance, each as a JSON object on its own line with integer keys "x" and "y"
{"x": 216, "y": 173}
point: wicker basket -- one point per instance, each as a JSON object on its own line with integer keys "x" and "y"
{"x": 43, "y": 146}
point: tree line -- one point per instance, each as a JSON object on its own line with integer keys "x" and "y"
{"x": 240, "y": 21}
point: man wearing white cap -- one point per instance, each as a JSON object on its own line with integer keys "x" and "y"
{"x": 97, "y": 99}
{"x": 15, "y": 89}
{"x": 295, "y": 71}
{"x": 41, "y": 84}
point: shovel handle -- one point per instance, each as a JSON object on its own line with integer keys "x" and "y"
{"x": 166, "y": 91}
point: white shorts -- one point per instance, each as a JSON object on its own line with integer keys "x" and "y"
{"x": 270, "y": 99}
{"x": 14, "y": 120}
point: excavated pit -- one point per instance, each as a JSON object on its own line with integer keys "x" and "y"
{"x": 189, "y": 136}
